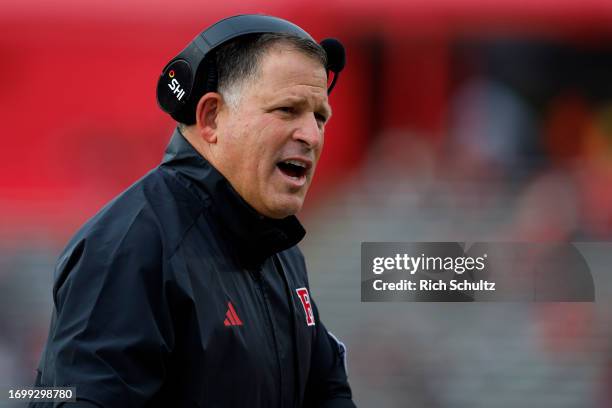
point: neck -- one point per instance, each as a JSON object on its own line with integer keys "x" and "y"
{"x": 190, "y": 133}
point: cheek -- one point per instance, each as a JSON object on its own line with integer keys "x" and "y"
{"x": 255, "y": 146}
{"x": 320, "y": 149}
{"x": 265, "y": 144}
{"x": 317, "y": 152}
{"x": 232, "y": 153}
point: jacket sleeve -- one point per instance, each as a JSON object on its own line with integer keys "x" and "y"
{"x": 327, "y": 385}
{"x": 111, "y": 331}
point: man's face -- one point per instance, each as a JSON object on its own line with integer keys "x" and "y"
{"x": 268, "y": 145}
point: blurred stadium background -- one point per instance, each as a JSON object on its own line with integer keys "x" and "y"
{"x": 462, "y": 120}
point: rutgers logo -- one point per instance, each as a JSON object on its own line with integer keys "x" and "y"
{"x": 305, "y": 299}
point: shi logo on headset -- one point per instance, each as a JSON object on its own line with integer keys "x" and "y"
{"x": 175, "y": 87}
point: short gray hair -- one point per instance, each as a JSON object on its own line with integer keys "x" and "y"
{"x": 239, "y": 60}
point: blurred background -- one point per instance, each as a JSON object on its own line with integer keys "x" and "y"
{"x": 455, "y": 120}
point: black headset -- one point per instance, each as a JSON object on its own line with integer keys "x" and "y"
{"x": 193, "y": 71}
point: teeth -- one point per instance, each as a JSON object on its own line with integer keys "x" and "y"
{"x": 295, "y": 163}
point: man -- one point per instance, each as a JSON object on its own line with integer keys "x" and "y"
{"x": 188, "y": 289}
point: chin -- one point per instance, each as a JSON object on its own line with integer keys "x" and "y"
{"x": 285, "y": 208}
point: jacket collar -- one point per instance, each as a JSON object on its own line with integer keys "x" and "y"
{"x": 255, "y": 237}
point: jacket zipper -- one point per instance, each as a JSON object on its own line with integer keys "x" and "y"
{"x": 278, "y": 265}
{"x": 257, "y": 275}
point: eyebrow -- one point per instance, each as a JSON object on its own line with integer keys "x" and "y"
{"x": 301, "y": 101}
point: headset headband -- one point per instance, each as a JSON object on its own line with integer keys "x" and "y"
{"x": 190, "y": 71}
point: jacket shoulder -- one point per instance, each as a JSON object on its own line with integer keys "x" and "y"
{"x": 155, "y": 208}
{"x": 141, "y": 227}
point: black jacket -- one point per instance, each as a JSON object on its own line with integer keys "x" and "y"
{"x": 177, "y": 293}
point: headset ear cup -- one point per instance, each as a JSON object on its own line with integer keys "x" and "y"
{"x": 205, "y": 81}
{"x": 174, "y": 86}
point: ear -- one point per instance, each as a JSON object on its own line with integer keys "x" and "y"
{"x": 207, "y": 112}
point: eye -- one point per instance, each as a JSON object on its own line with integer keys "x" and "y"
{"x": 286, "y": 109}
{"x": 321, "y": 119}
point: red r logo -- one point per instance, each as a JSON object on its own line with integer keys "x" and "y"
{"x": 305, "y": 299}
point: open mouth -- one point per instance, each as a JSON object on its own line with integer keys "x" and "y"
{"x": 293, "y": 168}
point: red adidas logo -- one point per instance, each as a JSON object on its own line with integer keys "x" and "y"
{"x": 231, "y": 317}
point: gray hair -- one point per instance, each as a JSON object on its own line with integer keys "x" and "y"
{"x": 239, "y": 60}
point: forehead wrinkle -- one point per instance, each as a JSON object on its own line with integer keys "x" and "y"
{"x": 280, "y": 84}
{"x": 315, "y": 97}
{"x": 275, "y": 68}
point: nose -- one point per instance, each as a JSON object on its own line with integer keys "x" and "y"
{"x": 308, "y": 132}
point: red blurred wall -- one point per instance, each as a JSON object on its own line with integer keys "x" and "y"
{"x": 77, "y": 100}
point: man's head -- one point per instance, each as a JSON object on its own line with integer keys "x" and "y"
{"x": 263, "y": 129}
